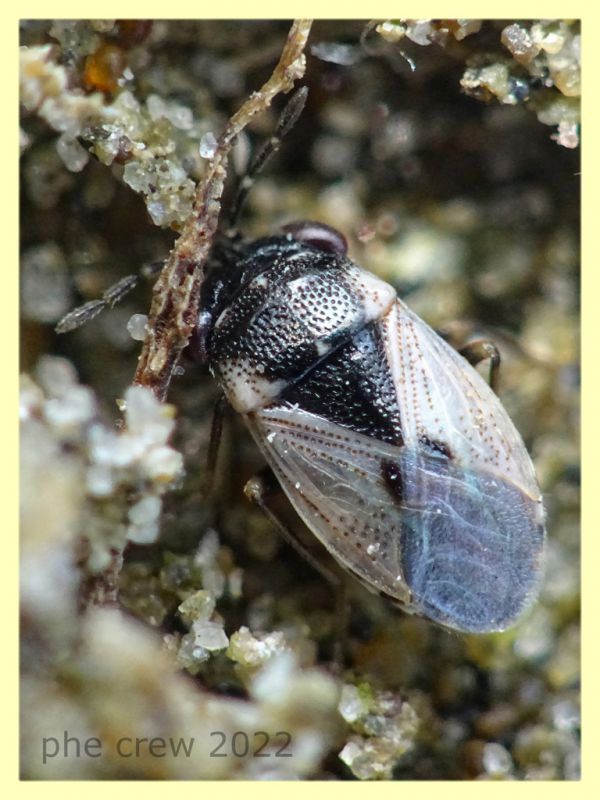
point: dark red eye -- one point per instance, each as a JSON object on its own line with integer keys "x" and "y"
{"x": 319, "y": 235}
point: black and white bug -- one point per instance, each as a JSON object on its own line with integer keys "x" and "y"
{"x": 390, "y": 446}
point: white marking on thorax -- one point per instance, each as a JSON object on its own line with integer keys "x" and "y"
{"x": 261, "y": 282}
{"x": 246, "y": 390}
{"x": 376, "y": 295}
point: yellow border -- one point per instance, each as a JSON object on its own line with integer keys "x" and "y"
{"x": 591, "y": 385}
{"x": 263, "y": 9}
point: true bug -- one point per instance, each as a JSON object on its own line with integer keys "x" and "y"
{"x": 390, "y": 446}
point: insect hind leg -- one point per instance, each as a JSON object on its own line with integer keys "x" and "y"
{"x": 260, "y": 490}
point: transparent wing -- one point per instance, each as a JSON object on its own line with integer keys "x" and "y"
{"x": 443, "y": 399}
{"x": 458, "y": 546}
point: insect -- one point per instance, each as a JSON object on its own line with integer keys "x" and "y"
{"x": 390, "y": 446}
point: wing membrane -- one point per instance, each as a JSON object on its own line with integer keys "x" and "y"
{"x": 455, "y": 544}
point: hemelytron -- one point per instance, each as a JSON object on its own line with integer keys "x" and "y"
{"x": 392, "y": 449}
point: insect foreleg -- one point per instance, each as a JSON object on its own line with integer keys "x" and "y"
{"x": 216, "y": 429}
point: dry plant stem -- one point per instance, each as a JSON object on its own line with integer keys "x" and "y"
{"x": 174, "y": 308}
{"x": 176, "y": 294}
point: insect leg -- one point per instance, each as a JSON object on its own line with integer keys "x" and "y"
{"x": 216, "y": 429}
{"x": 258, "y": 490}
{"x": 478, "y": 351}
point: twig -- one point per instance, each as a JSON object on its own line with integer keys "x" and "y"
{"x": 175, "y": 301}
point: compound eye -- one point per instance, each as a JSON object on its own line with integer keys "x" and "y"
{"x": 319, "y": 235}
